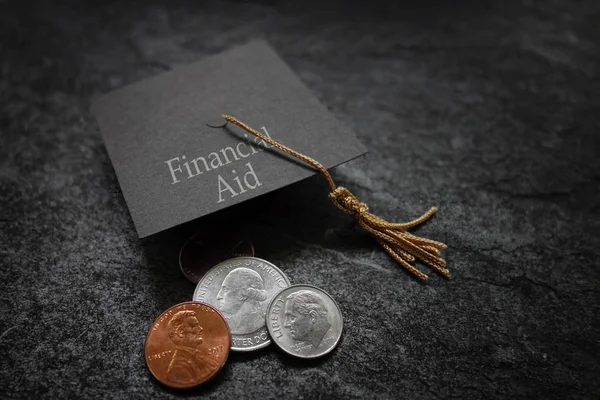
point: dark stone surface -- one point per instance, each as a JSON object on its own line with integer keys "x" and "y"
{"x": 489, "y": 110}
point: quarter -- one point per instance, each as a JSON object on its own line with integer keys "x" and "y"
{"x": 304, "y": 321}
{"x": 241, "y": 288}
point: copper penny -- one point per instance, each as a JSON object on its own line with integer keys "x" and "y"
{"x": 187, "y": 345}
{"x": 202, "y": 252}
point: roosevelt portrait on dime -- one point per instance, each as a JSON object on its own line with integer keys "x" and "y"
{"x": 306, "y": 317}
{"x": 241, "y": 300}
{"x": 189, "y": 363}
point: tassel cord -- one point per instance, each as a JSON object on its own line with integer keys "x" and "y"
{"x": 401, "y": 245}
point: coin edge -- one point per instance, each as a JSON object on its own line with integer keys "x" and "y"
{"x": 188, "y": 241}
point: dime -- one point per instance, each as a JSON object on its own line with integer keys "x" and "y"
{"x": 304, "y": 321}
{"x": 241, "y": 289}
{"x": 202, "y": 252}
{"x": 187, "y": 345}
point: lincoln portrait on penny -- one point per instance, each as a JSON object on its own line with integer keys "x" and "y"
{"x": 189, "y": 362}
{"x": 306, "y": 317}
{"x": 241, "y": 300}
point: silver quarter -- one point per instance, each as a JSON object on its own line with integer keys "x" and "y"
{"x": 241, "y": 288}
{"x": 304, "y": 321}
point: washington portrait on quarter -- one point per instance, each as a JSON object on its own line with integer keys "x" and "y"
{"x": 241, "y": 288}
{"x": 242, "y": 300}
{"x": 304, "y": 321}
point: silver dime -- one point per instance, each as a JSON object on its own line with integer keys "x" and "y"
{"x": 241, "y": 288}
{"x": 304, "y": 321}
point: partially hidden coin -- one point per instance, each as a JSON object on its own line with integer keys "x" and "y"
{"x": 241, "y": 288}
{"x": 187, "y": 345}
{"x": 304, "y": 321}
{"x": 203, "y": 251}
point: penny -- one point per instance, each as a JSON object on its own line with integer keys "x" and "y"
{"x": 304, "y": 321}
{"x": 202, "y": 252}
{"x": 187, "y": 345}
{"x": 241, "y": 288}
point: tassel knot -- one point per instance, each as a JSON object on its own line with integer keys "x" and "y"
{"x": 347, "y": 202}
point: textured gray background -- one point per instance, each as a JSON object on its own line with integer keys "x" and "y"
{"x": 488, "y": 110}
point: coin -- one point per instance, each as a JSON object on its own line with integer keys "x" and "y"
{"x": 187, "y": 345}
{"x": 241, "y": 289}
{"x": 202, "y": 252}
{"x": 304, "y": 321}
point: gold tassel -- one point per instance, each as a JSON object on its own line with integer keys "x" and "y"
{"x": 404, "y": 247}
